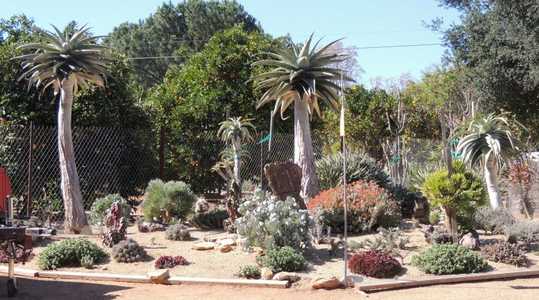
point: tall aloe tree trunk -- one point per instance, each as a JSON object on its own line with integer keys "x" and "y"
{"x": 237, "y": 162}
{"x": 303, "y": 150}
{"x": 75, "y": 218}
{"x": 491, "y": 181}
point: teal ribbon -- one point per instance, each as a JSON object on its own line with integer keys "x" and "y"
{"x": 265, "y": 139}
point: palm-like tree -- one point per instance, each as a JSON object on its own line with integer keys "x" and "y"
{"x": 488, "y": 145}
{"x": 302, "y": 76}
{"x": 66, "y": 61}
{"x": 234, "y": 132}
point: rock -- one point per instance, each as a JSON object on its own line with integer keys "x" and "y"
{"x": 226, "y": 242}
{"x": 330, "y": 283}
{"x": 201, "y": 206}
{"x": 421, "y": 210}
{"x": 258, "y": 251}
{"x": 204, "y": 246}
{"x": 284, "y": 179}
{"x": 290, "y": 277}
{"x": 266, "y": 273}
{"x": 226, "y": 248}
{"x": 159, "y": 276}
{"x": 351, "y": 280}
{"x": 470, "y": 241}
{"x": 150, "y": 227}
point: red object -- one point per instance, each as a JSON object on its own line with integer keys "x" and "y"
{"x": 5, "y": 188}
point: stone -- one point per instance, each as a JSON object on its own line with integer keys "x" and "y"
{"x": 201, "y": 206}
{"x": 326, "y": 283}
{"x": 351, "y": 280}
{"x": 160, "y": 276}
{"x": 150, "y": 227}
{"x": 226, "y": 242}
{"x": 266, "y": 273}
{"x": 470, "y": 241}
{"x": 226, "y": 248}
{"x": 284, "y": 179}
{"x": 287, "y": 276}
{"x": 203, "y": 246}
{"x": 258, "y": 251}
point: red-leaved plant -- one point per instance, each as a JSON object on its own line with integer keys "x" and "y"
{"x": 167, "y": 262}
{"x": 369, "y": 205}
{"x": 374, "y": 264}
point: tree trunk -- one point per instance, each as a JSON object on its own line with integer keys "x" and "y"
{"x": 451, "y": 222}
{"x": 492, "y": 184}
{"x": 75, "y": 217}
{"x": 237, "y": 161}
{"x": 303, "y": 150}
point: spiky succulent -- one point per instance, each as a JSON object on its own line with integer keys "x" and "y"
{"x": 301, "y": 73}
{"x": 64, "y": 54}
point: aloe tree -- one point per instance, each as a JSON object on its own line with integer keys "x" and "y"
{"x": 65, "y": 61}
{"x": 488, "y": 145}
{"x": 234, "y": 132}
{"x": 301, "y": 76}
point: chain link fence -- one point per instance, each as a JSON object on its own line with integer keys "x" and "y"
{"x": 120, "y": 160}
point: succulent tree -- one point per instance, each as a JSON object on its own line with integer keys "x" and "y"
{"x": 488, "y": 144}
{"x": 234, "y": 132}
{"x": 301, "y": 76}
{"x": 64, "y": 61}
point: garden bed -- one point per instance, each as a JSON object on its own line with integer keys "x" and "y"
{"x": 215, "y": 264}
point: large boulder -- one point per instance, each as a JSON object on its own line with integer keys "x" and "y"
{"x": 470, "y": 241}
{"x": 284, "y": 179}
{"x": 266, "y": 273}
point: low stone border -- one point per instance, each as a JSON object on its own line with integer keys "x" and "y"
{"x": 447, "y": 279}
{"x": 142, "y": 278}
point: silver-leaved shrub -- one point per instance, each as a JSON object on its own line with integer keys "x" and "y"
{"x": 268, "y": 222}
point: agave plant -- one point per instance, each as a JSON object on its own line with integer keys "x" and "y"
{"x": 302, "y": 76}
{"x": 64, "y": 61}
{"x": 489, "y": 144}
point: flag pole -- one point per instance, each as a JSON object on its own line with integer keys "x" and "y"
{"x": 345, "y": 200}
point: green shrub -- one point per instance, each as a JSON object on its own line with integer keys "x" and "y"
{"x": 70, "y": 252}
{"x": 388, "y": 241}
{"x": 434, "y": 217}
{"x": 525, "y": 231}
{"x": 128, "y": 251}
{"x": 212, "y": 219}
{"x": 177, "y": 232}
{"x": 249, "y": 272}
{"x": 268, "y": 222}
{"x": 491, "y": 220}
{"x": 449, "y": 259}
{"x": 101, "y": 205}
{"x": 164, "y": 201}
{"x": 506, "y": 253}
{"x": 359, "y": 167}
{"x": 284, "y": 259}
{"x": 462, "y": 192}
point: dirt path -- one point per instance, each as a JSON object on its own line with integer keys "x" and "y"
{"x": 521, "y": 289}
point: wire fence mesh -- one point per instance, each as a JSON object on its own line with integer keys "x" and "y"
{"x": 118, "y": 160}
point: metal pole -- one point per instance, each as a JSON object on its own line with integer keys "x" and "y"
{"x": 30, "y": 161}
{"x": 345, "y": 200}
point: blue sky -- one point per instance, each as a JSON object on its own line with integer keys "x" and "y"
{"x": 361, "y": 22}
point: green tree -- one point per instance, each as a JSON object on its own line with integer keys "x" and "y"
{"x": 300, "y": 76}
{"x": 194, "y": 99}
{"x": 458, "y": 194}
{"x": 63, "y": 62}
{"x": 173, "y": 33}
{"x": 488, "y": 144}
{"x": 498, "y": 41}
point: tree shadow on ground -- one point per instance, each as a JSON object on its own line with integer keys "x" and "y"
{"x": 59, "y": 290}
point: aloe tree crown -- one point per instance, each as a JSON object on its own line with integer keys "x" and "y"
{"x": 490, "y": 138}
{"x": 236, "y": 129}
{"x": 61, "y": 55}
{"x": 301, "y": 73}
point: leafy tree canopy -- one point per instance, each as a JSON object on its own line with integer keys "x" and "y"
{"x": 177, "y": 31}
{"x": 499, "y": 42}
